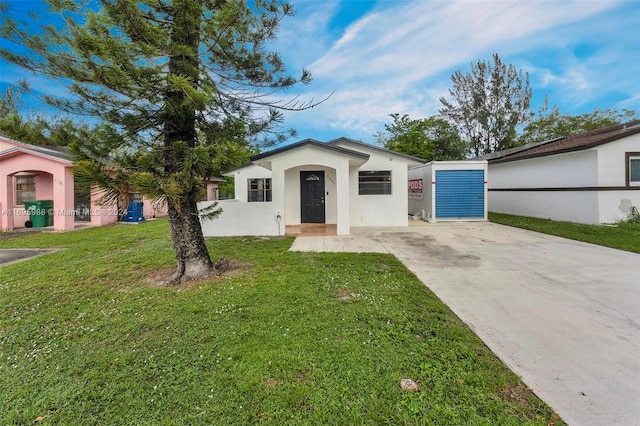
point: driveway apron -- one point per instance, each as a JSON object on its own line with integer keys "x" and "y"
{"x": 563, "y": 315}
{"x": 9, "y": 256}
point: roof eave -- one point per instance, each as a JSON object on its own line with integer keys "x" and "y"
{"x": 629, "y": 129}
{"x": 308, "y": 142}
{"x": 410, "y": 158}
{"x": 12, "y": 152}
{"x": 584, "y": 147}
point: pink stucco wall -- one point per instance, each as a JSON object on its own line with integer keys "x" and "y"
{"x": 54, "y": 181}
{"x": 44, "y": 186}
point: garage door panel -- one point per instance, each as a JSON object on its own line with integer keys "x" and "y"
{"x": 459, "y": 194}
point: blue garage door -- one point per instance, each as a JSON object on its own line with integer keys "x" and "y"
{"x": 459, "y": 194}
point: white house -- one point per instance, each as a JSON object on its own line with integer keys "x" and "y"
{"x": 591, "y": 177}
{"x": 333, "y": 185}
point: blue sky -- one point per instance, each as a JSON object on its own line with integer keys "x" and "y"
{"x": 383, "y": 57}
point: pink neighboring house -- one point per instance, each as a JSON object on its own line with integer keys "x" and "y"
{"x": 29, "y": 172}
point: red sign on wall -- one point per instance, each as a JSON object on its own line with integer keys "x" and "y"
{"x": 415, "y": 189}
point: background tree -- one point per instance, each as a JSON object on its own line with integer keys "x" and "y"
{"x": 168, "y": 76}
{"x": 554, "y": 125}
{"x": 37, "y": 129}
{"x": 489, "y": 104}
{"x": 431, "y": 138}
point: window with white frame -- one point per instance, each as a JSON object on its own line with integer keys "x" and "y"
{"x": 259, "y": 190}
{"x": 634, "y": 170}
{"x": 374, "y": 182}
{"x": 25, "y": 188}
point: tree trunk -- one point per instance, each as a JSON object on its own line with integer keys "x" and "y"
{"x": 189, "y": 244}
{"x": 179, "y": 130}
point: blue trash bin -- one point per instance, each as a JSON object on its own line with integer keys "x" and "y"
{"x": 134, "y": 212}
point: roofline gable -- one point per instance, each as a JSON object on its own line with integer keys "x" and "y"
{"x": 44, "y": 150}
{"x": 376, "y": 148}
{"x": 20, "y": 150}
{"x": 310, "y": 142}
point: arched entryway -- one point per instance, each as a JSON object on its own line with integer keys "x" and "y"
{"x": 27, "y": 175}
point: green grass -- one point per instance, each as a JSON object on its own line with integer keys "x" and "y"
{"x": 282, "y": 338}
{"x": 622, "y": 236}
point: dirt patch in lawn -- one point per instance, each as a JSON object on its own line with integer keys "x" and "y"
{"x": 346, "y": 294}
{"x": 519, "y": 394}
{"x": 270, "y": 383}
{"x": 160, "y": 277}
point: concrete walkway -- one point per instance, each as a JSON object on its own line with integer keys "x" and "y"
{"x": 563, "y": 315}
{"x": 9, "y": 256}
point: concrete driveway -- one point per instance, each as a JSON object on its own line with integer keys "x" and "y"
{"x": 563, "y": 315}
{"x": 9, "y": 256}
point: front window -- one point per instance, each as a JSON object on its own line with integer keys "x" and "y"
{"x": 259, "y": 190}
{"x": 634, "y": 171}
{"x": 375, "y": 182}
{"x": 25, "y": 189}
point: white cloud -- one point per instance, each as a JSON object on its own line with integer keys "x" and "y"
{"x": 399, "y": 57}
{"x": 305, "y": 37}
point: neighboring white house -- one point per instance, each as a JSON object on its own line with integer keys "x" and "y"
{"x": 343, "y": 183}
{"x": 591, "y": 177}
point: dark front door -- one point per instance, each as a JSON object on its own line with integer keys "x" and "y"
{"x": 312, "y": 197}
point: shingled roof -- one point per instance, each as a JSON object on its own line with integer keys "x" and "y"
{"x": 57, "y": 152}
{"x": 577, "y": 142}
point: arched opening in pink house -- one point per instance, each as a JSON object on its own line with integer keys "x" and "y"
{"x": 31, "y": 173}
{"x": 27, "y": 175}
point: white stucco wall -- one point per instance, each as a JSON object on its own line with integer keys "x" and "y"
{"x": 241, "y": 176}
{"x": 380, "y": 210}
{"x": 239, "y": 217}
{"x": 611, "y": 160}
{"x": 569, "y": 206}
{"x": 574, "y": 169}
{"x": 242, "y": 218}
{"x": 615, "y": 206}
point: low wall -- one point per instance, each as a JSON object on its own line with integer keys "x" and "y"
{"x": 240, "y": 218}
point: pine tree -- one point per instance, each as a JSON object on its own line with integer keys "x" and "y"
{"x": 174, "y": 80}
{"x": 489, "y": 104}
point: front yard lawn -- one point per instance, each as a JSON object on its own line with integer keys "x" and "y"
{"x": 281, "y": 338}
{"x": 622, "y": 236}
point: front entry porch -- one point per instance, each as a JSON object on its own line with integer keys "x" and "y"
{"x": 311, "y": 230}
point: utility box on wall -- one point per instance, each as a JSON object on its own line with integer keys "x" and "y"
{"x": 449, "y": 190}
